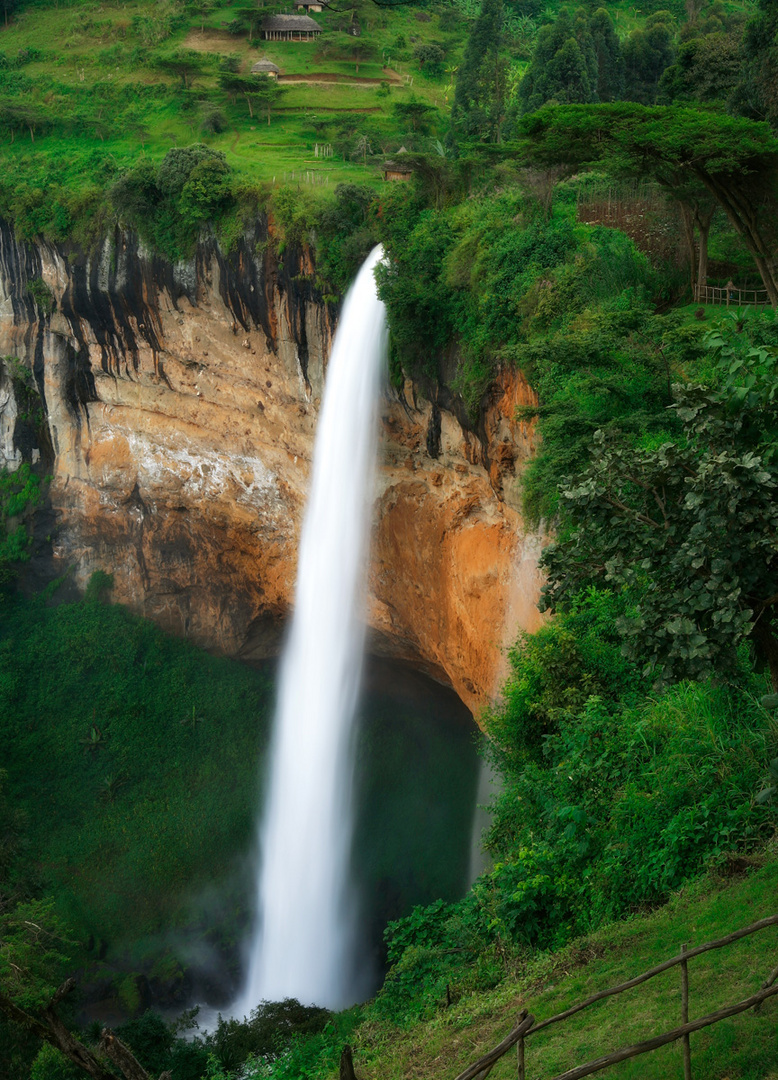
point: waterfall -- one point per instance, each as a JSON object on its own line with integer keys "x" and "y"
{"x": 304, "y": 942}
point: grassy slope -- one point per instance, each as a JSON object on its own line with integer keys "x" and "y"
{"x": 96, "y": 63}
{"x": 745, "y": 1047}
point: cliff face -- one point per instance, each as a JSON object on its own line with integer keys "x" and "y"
{"x": 180, "y": 406}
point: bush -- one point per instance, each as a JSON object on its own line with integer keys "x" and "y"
{"x": 613, "y": 799}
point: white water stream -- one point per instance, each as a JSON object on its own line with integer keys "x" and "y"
{"x": 304, "y": 941}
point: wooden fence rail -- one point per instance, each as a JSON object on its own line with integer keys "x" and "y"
{"x": 731, "y": 295}
{"x": 526, "y": 1026}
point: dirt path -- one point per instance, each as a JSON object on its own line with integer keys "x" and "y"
{"x": 345, "y": 80}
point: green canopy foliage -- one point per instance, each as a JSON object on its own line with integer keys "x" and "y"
{"x": 734, "y": 159}
{"x": 170, "y": 204}
{"x": 479, "y": 93}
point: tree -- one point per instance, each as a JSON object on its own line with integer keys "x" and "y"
{"x": 706, "y": 69}
{"x": 235, "y": 84}
{"x": 413, "y": 112}
{"x": 734, "y": 159}
{"x": 206, "y": 192}
{"x": 479, "y": 94}
{"x": 186, "y": 64}
{"x": 267, "y": 92}
{"x": 647, "y": 53}
{"x": 573, "y": 61}
{"x": 179, "y": 163}
{"x": 346, "y": 47}
{"x": 757, "y": 94}
{"x": 610, "y": 61}
{"x": 688, "y": 530}
{"x": 430, "y": 57}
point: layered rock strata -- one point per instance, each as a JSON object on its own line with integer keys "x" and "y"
{"x": 180, "y": 405}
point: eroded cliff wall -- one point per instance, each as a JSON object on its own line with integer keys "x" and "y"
{"x": 180, "y": 406}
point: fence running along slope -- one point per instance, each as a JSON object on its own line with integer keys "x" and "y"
{"x": 527, "y": 1027}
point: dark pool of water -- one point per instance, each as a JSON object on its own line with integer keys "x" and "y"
{"x": 416, "y": 784}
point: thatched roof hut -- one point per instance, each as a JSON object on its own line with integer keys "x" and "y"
{"x": 290, "y": 28}
{"x": 397, "y": 170}
{"x": 266, "y": 67}
{"x": 307, "y": 5}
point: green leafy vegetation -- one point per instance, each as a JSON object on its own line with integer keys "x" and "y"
{"x": 91, "y": 695}
{"x": 575, "y": 173}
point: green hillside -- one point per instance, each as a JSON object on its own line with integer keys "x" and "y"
{"x": 89, "y": 89}
{"x": 745, "y": 1047}
{"x": 582, "y": 175}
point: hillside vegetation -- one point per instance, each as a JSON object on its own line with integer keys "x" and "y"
{"x": 579, "y": 174}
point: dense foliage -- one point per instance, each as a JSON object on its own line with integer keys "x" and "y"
{"x": 690, "y": 529}
{"x": 634, "y": 742}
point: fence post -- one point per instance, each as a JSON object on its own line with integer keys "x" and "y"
{"x": 687, "y": 1050}
{"x": 520, "y": 1057}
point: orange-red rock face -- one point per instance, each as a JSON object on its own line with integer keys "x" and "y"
{"x": 181, "y": 407}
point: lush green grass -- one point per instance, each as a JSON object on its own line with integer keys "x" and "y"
{"x": 96, "y": 100}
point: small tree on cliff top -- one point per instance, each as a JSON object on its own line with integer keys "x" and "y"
{"x": 690, "y": 529}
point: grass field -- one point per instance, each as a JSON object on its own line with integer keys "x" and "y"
{"x": 90, "y": 74}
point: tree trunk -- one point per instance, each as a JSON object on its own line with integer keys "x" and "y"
{"x": 51, "y": 1029}
{"x": 122, "y": 1057}
{"x": 767, "y": 646}
{"x": 687, "y": 217}
{"x": 703, "y": 220}
{"x": 346, "y": 1071}
{"x": 744, "y": 219}
{"x": 59, "y": 1037}
{"x": 248, "y": 102}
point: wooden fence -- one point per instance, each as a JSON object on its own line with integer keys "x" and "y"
{"x": 526, "y": 1026}
{"x": 731, "y": 295}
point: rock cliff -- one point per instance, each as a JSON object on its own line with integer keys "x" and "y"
{"x": 180, "y": 405}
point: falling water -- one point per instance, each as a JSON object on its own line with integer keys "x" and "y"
{"x": 304, "y": 943}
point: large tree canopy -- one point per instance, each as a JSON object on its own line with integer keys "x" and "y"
{"x": 735, "y": 159}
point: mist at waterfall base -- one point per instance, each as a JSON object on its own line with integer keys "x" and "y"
{"x": 304, "y": 943}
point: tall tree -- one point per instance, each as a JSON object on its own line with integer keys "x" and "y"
{"x": 647, "y": 53}
{"x": 610, "y": 61}
{"x": 267, "y": 93}
{"x": 734, "y": 159}
{"x": 557, "y": 71}
{"x": 187, "y": 64}
{"x": 757, "y": 93}
{"x": 479, "y": 96}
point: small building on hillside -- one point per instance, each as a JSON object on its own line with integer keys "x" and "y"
{"x": 399, "y": 169}
{"x": 307, "y": 5}
{"x": 266, "y": 67}
{"x": 290, "y": 28}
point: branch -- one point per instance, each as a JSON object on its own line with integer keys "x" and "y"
{"x": 62, "y": 992}
{"x": 122, "y": 1056}
{"x": 488, "y": 1060}
{"x": 619, "y": 505}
